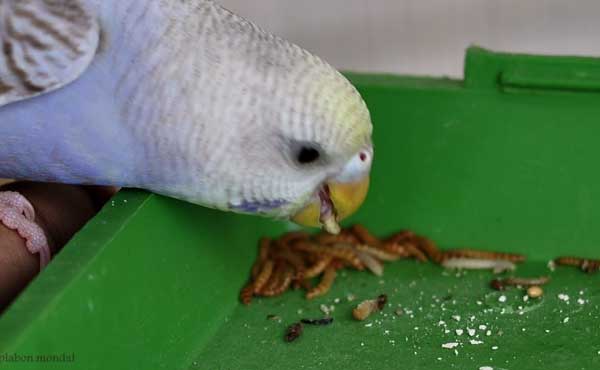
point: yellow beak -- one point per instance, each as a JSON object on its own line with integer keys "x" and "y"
{"x": 346, "y": 199}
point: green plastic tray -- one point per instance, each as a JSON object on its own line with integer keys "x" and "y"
{"x": 504, "y": 160}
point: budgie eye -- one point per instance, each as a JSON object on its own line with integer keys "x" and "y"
{"x": 307, "y": 155}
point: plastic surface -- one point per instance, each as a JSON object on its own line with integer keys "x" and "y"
{"x": 152, "y": 283}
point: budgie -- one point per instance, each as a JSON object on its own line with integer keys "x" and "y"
{"x": 182, "y": 98}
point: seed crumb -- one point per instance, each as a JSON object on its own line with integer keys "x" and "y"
{"x": 450, "y": 345}
{"x": 482, "y": 327}
{"x": 456, "y": 317}
{"x": 563, "y": 297}
{"x": 494, "y": 348}
{"x": 488, "y": 333}
{"x": 565, "y": 320}
{"x": 486, "y": 368}
{"x": 471, "y": 332}
{"x": 502, "y": 298}
{"x": 459, "y": 332}
{"x": 475, "y": 341}
{"x": 580, "y": 301}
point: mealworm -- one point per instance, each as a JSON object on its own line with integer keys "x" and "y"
{"x": 293, "y": 259}
{"x": 282, "y": 279}
{"x": 474, "y": 253}
{"x": 293, "y": 236}
{"x": 263, "y": 253}
{"x": 501, "y": 284}
{"x": 365, "y": 236}
{"x": 429, "y": 249}
{"x": 401, "y": 237}
{"x": 376, "y": 252}
{"x": 263, "y": 276}
{"x": 477, "y": 263}
{"x": 415, "y": 252}
{"x": 324, "y": 285}
{"x": 247, "y": 293}
{"x": 337, "y": 250}
{"x": 370, "y": 262}
{"x": 587, "y": 265}
{"x": 337, "y": 264}
{"x": 343, "y": 237}
{"x": 318, "y": 267}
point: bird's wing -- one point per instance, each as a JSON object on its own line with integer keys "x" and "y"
{"x": 44, "y": 45}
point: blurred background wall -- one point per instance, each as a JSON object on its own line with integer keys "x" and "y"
{"x": 426, "y": 37}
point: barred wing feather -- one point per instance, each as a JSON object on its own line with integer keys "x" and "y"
{"x": 44, "y": 45}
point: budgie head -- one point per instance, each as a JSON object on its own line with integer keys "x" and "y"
{"x": 295, "y": 136}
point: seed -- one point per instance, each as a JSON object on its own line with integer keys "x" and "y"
{"x": 535, "y": 291}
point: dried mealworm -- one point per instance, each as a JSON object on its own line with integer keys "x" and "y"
{"x": 263, "y": 276}
{"x": 247, "y": 293}
{"x": 587, "y": 265}
{"x": 371, "y": 263}
{"x": 474, "y": 253}
{"x": 324, "y": 285}
{"x": 365, "y": 236}
{"x": 501, "y": 284}
{"x": 323, "y": 321}
{"x": 318, "y": 267}
{"x": 376, "y": 252}
{"x": 367, "y": 307}
{"x": 293, "y": 332}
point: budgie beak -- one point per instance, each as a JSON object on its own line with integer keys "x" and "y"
{"x": 335, "y": 201}
{"x": 340, "y": 196}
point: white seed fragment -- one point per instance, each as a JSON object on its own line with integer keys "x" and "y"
{"x": 459, "y": 332}
{"x": 475, "y": 341}
{"x": 502, "y": 298}
{"x": 471, "y": 332}
{"x": 482, "y": 327}
{"x": 450, "y": 345}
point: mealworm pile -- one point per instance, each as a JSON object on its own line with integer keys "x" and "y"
{"x": 293, "y": 260}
